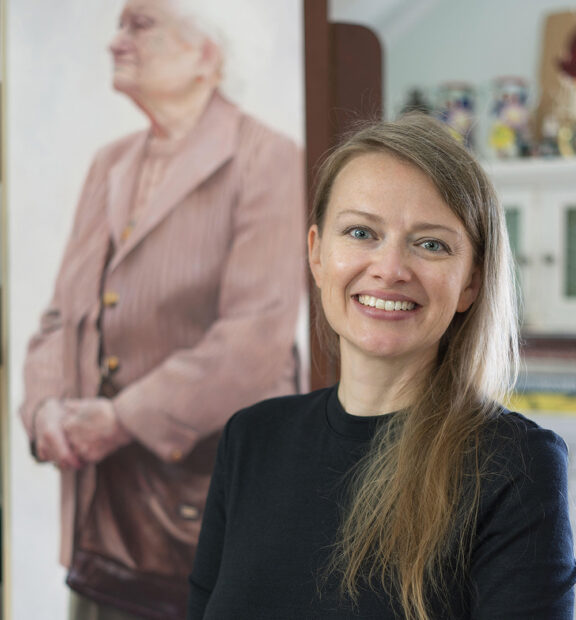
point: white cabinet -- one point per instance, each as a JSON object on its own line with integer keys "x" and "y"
{"x": 539, "y": 197}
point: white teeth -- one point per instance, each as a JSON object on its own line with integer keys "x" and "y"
{"x": 385, "y": 304}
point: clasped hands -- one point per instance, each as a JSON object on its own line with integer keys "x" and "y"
{"x": 71, "y": 433}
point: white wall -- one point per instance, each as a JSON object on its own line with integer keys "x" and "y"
{"x": 428, "y": 42}
{"x": 60, "y": 108}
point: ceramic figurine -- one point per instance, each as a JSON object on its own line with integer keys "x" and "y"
{"x": 510, "y": 133}
{"x": 456, "y": 109}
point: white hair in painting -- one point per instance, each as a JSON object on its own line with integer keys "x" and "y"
{"x": 242, "y": 29}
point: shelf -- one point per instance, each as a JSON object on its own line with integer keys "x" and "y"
{"x": 532, "y": 171}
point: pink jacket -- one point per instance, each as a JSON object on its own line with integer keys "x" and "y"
{"x": 200, "y": 301}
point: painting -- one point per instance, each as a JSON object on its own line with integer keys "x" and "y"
{"x": 154, "y": 171}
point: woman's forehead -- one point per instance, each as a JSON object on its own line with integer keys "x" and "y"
{"x": 381, "y": 173}
{"x": 150, "y": 6}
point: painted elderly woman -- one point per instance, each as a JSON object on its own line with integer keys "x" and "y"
{"x": 175, "y": 305}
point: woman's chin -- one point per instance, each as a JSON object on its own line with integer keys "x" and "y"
{"x": 379, "y": 348}
{"x": 123, "y": 83}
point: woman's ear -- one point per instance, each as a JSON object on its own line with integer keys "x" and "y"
{"x": 314, "y": 258}
{"x": 211, "y": 59}
{"x": 470, "y": 292}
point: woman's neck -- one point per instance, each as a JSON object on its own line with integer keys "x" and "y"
{"x": 173, "y": 118}
{"x": 376, "y": 386}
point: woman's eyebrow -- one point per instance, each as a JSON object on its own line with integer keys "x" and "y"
{"x": 359, "y": 212}
{"x": 426, "y": 226}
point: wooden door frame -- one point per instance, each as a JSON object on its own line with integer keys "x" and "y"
{"x": 343, "y": 81}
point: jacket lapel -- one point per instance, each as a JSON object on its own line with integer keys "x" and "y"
{"x": 210, "y": 144}
{"x": 121, "y": 186}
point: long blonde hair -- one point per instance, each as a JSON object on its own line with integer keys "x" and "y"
{"x": 407, "y": 514}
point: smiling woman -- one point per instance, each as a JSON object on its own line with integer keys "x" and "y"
{"x": 406, "y": 490}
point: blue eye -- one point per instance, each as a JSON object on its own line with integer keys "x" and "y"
{"x": 433, "y": 245}
{"x": 359, "y": 233}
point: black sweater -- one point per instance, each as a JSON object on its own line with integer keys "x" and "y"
{"x": 274, "y": 506}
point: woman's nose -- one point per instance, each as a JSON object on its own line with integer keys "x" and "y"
{"x": 120, "y": 42}
{"x": 391, "y": 263}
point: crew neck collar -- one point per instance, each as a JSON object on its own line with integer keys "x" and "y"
{"x": 357, "y": 427}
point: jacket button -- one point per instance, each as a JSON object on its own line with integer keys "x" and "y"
{"x": 176, "y": 455}
{"x": 188, "y": 512}
{"x": 127, "y": 232}
{"x": 110, "y": 298}
{"x": 110, "y": 365}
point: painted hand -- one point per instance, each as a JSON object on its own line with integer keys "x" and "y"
{"x": 92, "y": 428}
{"x": 51, "y": 442}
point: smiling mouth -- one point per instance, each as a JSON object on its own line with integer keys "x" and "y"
{"x": 385, "y": 304}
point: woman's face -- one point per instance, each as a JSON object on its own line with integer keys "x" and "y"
{"x": 152, "y": 57}
{"x": 393, "y": 262}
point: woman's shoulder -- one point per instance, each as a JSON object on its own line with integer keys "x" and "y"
{"x": 281, "y": 413}
{"x": 257, "y": 135}
{"x": 514, "y": 426}
{"x": 519, "y": 444}
{"x": 522, "y": 559}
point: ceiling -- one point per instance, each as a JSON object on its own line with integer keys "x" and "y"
{"x": 390, "y": 18}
